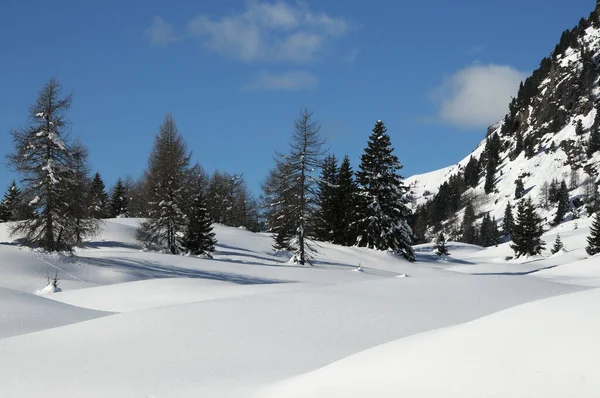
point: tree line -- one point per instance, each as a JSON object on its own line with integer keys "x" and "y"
{"x": 306, "y": 197}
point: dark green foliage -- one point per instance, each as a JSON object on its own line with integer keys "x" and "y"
{"x": 419, "y": 224}
{"x": 12, "y": 207}
{"x": 558, "y": 245}
{"x": 469, "y": 231}
{"x": 493, "y": 146}
{"x": 579, "y": 128}
{"x": 529, "y": 146}
{"x": 508, "y": 222}
{"x": 527, "y": 232}
{"x": 563, "y": 203}
{"x": 165, "y": 177}
{"x": 347, "y": 194}
{"x": 447, "y": 201}
{"x": 98, "y": 198}
{"x": 593, "y": 145}
{"x": 472, "y": 173}
{"x": 440, "y": 247}
{"x": 326, "y": 217}
{"x": 593, "y": 240}
{"x": 119, "y": 200}
{"x": 384, "y": 224}
{"x": 519, "y": 189}
{"x": 488, "y": 232}
{"x": 519, "y": 145}
{"x": 199, "y": 238}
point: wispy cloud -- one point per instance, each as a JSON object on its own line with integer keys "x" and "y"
{"x": 477, "y": 96}
{"x": 293, "y": 80}
{"x": 160, "y": 32}
{"x": 265, "y": 31}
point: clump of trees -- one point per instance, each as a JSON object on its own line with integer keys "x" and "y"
{"x": 368, "y": 208}
{"x": 177, "y": 220}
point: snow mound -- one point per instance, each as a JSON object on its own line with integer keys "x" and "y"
{"x": 523, "y": 352}
{"x": 22, "y": 313}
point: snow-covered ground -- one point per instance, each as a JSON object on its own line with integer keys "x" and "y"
{"x": 130, "y": 323}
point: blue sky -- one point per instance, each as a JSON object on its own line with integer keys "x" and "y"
{"x": 235, "y": 74}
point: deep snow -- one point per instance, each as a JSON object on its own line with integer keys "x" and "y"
{"x": 246, "y": 324}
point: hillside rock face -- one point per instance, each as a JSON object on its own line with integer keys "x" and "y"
{"x": 551, "y": 132}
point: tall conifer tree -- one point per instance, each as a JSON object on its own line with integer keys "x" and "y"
{"x": 165, "y": 177}
{"x": 527, "y": 230}
{"x": 98, "y": 198}
{"x": 347, "y": 196}
{"x": 384, "y": 224}
{"x": 593, "y": 240}
{"x": 305, "y": 156}
{"x": 45, "y": 160}
{"x": 327, "y": 214}
{"x": 199, "y": 238}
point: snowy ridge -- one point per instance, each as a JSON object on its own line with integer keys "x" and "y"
{"x": 545, "y": 117}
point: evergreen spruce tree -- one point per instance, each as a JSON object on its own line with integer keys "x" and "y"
{"x": 563, "y": 203}
{"x": 519, "y": 143}
{"x": 199, "y": 238}
{"x": 165, "y": 177}
{"x": 5, "y": 214}
{"x": 492, "y": 155}
{"x": 327, "y": 213}
{"x": 579, "y": 128}
{"x": 97, "y": 198}
{"x": 347, "y": 197}
{"x": 45, "y": 161}
{"x": 384, "y": 224}
{"x": 488, "y": 235}
{"x": 472, "y": 173}
{"x": 593, "y": 144}
{"x": 558, "y": 245}
{"x": 508, "y": 222}
{"x": 490, "y": 178}
{"x": 119, "y": 200}
{"x": 527, "y": 232}
{"x": 11, "y": 205}
{"x": 469, "y": 232}
{"x": 593, "y": 240}
{"x": 440, "y": 247}
{"x": 519, "y": 189}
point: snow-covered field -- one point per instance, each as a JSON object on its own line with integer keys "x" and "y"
{"x": 130, "y": 323}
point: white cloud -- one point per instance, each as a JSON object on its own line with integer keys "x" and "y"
{"x": 160, "y": 32}
{"x": 266, "y": 31}
{"x": 294, "y": 80}
{"x": 477, "y": 96}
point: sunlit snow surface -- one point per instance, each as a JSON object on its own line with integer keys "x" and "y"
{"x": 132, "y": 323}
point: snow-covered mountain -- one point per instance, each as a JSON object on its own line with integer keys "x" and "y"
{"x": 540, "y": 138}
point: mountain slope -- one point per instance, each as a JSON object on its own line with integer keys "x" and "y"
{"x": 547, "y": 135}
